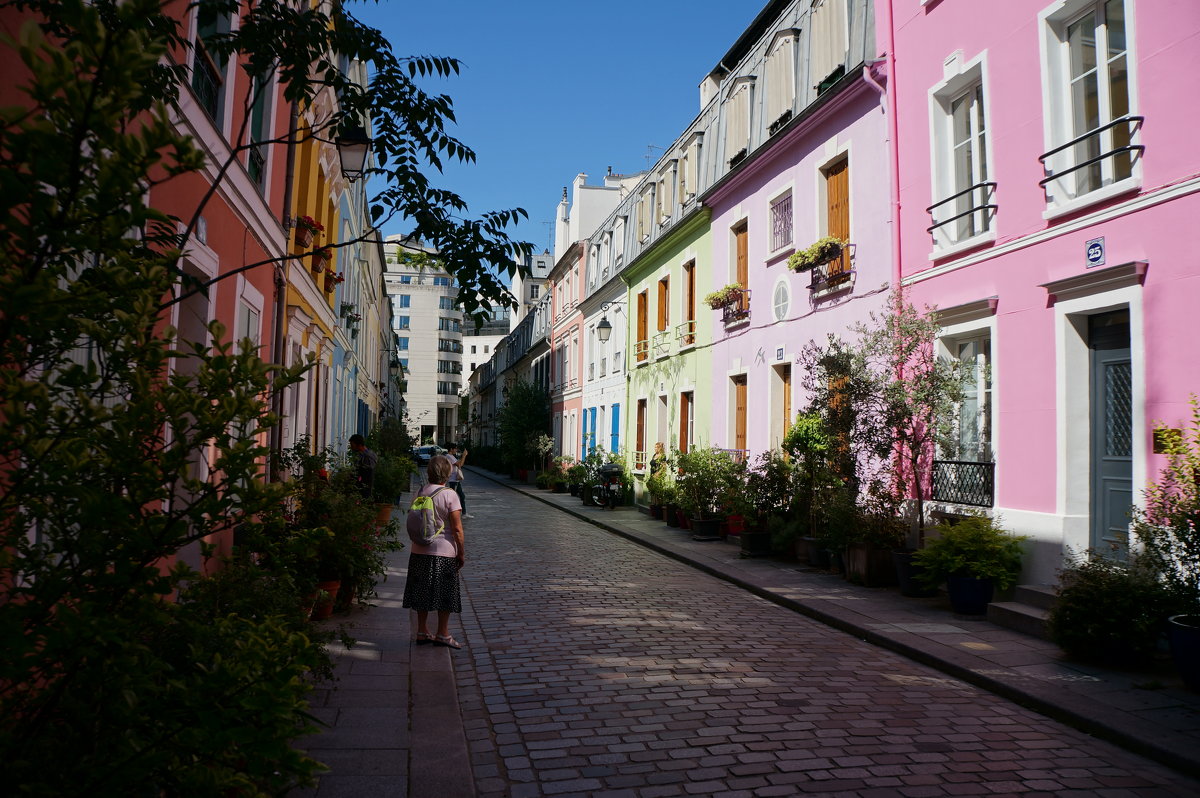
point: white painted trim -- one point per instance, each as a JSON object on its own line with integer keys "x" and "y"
{"x": 1072, "y": 404}
{"x": 1102, "y": 194}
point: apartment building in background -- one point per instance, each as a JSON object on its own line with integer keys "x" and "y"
{"x": 428, "y": 326}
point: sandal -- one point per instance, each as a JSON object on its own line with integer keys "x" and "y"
{"x": 423, "y": 638}
{"x": 447, "y": 641}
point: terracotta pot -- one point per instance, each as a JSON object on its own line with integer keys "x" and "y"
{"x": 383, "y": 514}
{"x": 326, "y": 594}
{"x": 304, "y": 237}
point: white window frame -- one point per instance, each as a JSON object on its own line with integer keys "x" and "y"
{"x": 959, "y": 79}
{"x": 1058, "y": 128}
{"x": 786, "y": 191}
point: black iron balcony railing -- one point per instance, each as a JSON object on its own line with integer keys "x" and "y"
{"x": 739, "y": 310}
{"x": 985, "y": 192}
{"x": 1133, "y": 123}
{"x": 964, "y": 482}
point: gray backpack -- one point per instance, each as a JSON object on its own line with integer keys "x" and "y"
{"x": 423, "y": 523}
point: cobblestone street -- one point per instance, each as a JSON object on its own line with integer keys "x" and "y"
{"x": 596, "y": 667}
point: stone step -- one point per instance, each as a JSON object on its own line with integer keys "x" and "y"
{"x": 1020, "y": 617}
{"x": 1041, "y": 596}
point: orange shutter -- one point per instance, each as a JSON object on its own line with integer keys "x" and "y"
{"x": 837, "y": 193}
{"x": 742, "y": 237}
{"x": 664, "y": 303}
{"x": 641, "y": 434}
{"x": 642, "y": 321}
{"x": 787, "y": 398}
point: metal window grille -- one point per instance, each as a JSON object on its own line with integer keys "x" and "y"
{"x": 781, "y": 222}
{"x": 963, "y": 482}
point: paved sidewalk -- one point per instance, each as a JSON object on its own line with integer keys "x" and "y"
{"x": 1148, "y": 713}
{"x": 393, "y": 725}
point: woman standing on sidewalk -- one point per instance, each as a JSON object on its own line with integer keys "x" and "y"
{"x": 433, "y": 567}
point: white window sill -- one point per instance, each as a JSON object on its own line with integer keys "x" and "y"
{"x": 1093, "y": 198}
{"x": 783, "y": 252}
{"x": 950, "y": 250}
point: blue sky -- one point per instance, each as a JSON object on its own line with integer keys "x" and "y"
{"x": 551, "y": 89}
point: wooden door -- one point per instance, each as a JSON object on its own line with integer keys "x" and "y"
{"x": 685, "y": 421}
{"x": 785, "y": 375}
{"x": 739, "y": 413}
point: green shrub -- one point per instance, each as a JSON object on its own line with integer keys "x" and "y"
{"x": 975, "y": 546}
{"x": 1111, "y": 612}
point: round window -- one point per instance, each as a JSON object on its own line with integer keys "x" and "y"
{"x": 781, "y": 299}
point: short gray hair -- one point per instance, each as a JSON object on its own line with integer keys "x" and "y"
{"x": 438, "y": 470}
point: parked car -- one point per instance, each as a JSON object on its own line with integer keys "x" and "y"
{"x": 423, "y": 454}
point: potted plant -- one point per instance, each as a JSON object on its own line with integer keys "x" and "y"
{"x": 669, "y": 496}
{"x": 1168, "y": 527}
{"x": 724, "y": 297}
{"x": 767, "y": 495}
{"x": 822, "y": 251}
{"x": 706, "y": 480}
{"x": 393, "y": 474}
{"x": 321, "y": 258}
{"x": 877, "y": 532}
{"x": 306, "y": 229}
{"x": 654, "y": 491}
{"x": 576, "y": 476}
{"x": 974, "y": 556}
{"x": 1111, "y": 612}
{"x": 332, "y": 279}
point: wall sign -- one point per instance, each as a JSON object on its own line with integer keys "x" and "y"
{"x": 779, "y": 353}
{"x": 1095, "y": 252}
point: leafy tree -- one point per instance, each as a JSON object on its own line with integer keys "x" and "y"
{"x": 124, "y": 450}
{"x": 886, "y": 400}
{"x": 524, "y": 416}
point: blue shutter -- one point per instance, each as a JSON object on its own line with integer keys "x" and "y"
{"x": 616, "y": 428}
{"x": 593, "y": 439}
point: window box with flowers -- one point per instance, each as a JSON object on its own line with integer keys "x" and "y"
{"x": 822, "y": 251}
{"x": 346, "y": 309}
{"x": 306, "y": 229}
{"x": 332, "y": 278}
{"x": 321, "y": 258}
{"x": 724, "y": 297}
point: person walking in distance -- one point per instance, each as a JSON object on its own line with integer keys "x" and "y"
{"x": 457, "y": 461}
{"x": 438, "y": 553}
{"x": 365, "y": 461}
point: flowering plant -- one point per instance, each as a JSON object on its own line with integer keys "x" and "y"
{"x": 310, "y": 224}
{"x": 336, "y": 277}
{"x": 823, "y": 250}
{"x": 353, "y": 318}
{"x": 724, "y": 297}
{"x": 324, "y": 253}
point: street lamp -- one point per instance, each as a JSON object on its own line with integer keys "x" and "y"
{"x": 353, "y": 146}
{"x": 604, "y": 328}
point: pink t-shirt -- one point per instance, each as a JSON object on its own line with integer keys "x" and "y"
{"x": 444, "y": 503}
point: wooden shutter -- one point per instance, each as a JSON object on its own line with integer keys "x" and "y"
{"x": 739, "y": 413}
{"x": 664, "y": 303}
{"x": 642, "y": 321}
{"x": 689, "y": 300}
{"x": 742, "y": 240}
{"x": 786, "y": 376}
{"x": 641, "y": 434}
{"x": 685, "y": 421}
{"x": 837, "y": 195}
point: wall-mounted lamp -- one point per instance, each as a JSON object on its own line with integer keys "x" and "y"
{"x": 353, "y": 146}
{"x": 604, "y": 328}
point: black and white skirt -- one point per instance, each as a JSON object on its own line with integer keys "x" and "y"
{"x": 432, "y": 584}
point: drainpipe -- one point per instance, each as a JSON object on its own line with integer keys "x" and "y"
{"x": 277, "y": 345}
{"x": 894, "y": 140}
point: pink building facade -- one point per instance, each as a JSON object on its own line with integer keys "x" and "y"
{"x": 823, "y": 172}
{"x": 566, "y": 289}
{"x": 1047, "y": 178}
